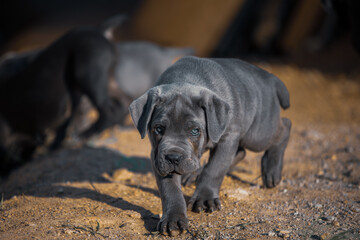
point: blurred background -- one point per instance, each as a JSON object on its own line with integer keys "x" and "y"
{"x": 311, "y": 33}
{"x": 313, "y": 46}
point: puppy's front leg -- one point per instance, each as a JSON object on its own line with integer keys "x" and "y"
{"x": 206, "y": 195}
{"x": 173, "y": 204}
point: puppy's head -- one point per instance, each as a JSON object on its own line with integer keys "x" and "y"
{"x": 180, "y": 120}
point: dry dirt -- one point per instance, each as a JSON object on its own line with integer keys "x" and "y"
{"x": 106, "y": 189}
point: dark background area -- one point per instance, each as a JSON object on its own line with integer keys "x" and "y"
{"x": 309, "y": 33}
{"x": 104, "y": 188}
{"x": 18, "y": 16}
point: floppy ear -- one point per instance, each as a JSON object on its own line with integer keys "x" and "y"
{"x": 141, "y": 110}
{"x": 217, "y": 114}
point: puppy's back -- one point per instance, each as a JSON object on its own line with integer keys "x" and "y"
{"x": 262, "y": 77}
{"x": 239, "y": 75}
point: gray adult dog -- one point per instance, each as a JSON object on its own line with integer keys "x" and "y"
{"x": 225, "y": 105}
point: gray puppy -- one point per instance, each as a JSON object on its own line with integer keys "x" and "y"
{"x": 139, "y": 65}
{"x": 225, "y": 105}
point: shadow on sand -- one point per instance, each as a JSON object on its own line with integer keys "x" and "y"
{"x": 41, "y": 176}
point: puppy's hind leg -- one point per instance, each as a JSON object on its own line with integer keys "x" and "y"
{"x": 62, "y": 129}
{"x": 272, "y": 161}
{"x": 240, "y": 155}
{"x": 190, "y": 178}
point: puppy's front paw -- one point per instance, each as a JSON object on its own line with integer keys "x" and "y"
{"x": 206, "y": 202}
{"x": 173, "y": 224}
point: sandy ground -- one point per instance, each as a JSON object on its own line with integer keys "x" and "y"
{"x": 106, "y": 189}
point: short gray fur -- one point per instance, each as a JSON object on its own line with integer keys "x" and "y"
{"x": 225, "y": 105}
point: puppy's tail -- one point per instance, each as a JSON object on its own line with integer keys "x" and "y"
{"x": 282, "y": 94}
{"x": 108, "y": 27}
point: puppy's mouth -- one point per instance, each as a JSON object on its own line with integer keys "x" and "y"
{"x": 167, "y": 166}
{"x": 175, "y": 172}
{"x": 171, "y": 169}
{"x": 169, "y": 172}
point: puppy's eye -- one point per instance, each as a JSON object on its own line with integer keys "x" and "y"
{"x": 195, "y": 132}
{"x": 159, "y": 130}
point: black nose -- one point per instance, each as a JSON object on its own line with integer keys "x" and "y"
{"x": 173, "y": 157}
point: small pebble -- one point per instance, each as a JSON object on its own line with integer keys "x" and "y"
{"x": 355, "y": 209}
{"x": 336, "y": 224}
{"x": 284, "y": 233}
{"x": 324, "y": 236}
{"x": 318, "y": 206}
{"x": 348, "y": 149}
{"x": 68, "y": 231}
{"x": 135, "y": 215}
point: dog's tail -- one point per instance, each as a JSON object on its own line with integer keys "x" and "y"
{"x": 282, "y": 94}
{"x": 108, "y": 27}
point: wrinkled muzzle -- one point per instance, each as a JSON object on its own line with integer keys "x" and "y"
{"x": 169, "y": 159}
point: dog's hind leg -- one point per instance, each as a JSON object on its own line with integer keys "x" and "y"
{"x": 272, "y": 161}
{"x": 240, "y": 155}
{"x": 62, "y": 129}
{"x": 190, "y": 178}
{"x": 96, "y": 88}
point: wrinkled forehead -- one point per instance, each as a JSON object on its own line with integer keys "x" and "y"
{"x": 178, "y": 109}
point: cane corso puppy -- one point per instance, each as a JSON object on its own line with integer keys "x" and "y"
{"x": 225, "y": 105}
{"x": 36, "y": 88}
{"x": 139, "y": 65}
